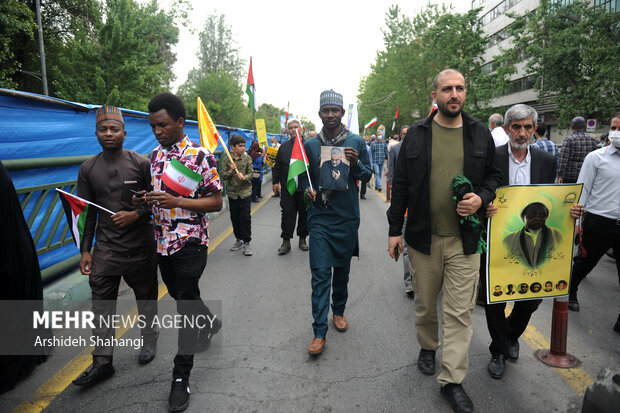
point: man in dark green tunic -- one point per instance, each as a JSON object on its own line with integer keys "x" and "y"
{"x": 333, "y": 218}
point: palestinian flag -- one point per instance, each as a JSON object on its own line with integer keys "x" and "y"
{"x": 395, "y": 117}
{"x": 75, "y": 209}
{"x": 180, "y": 178}
{"x": 251, "y": 90}
{"x": 297, "y": 166}
{"x": 208, "y": 132}
{"x": 372, "y": 122}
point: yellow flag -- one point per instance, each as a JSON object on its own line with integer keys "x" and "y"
{"x": 209, "y": 136}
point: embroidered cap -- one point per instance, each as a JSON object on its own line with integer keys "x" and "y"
{"x": 329, "y": 97}
{"x": 106, "y": 112}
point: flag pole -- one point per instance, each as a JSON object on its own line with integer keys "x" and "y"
{"x": 219, "y": 137}
{"x": 303, "y": 152}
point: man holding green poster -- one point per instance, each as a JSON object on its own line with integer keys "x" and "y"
{"x": 520, "y": 165}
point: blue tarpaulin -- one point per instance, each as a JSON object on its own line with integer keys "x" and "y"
{"x": 37, "y": 126}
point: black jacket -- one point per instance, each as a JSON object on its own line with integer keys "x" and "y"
{"x": 542, "y": 169}
{"x": 411, "y": 185}
{"x": 279, "y": 172}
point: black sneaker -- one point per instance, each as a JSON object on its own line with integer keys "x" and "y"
{"x": 206, "y": 335}
{"x": 179, "y": 396}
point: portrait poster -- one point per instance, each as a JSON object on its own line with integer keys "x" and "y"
{"x": 530, "y": 242}
{"x": 334, "y": 169}
{"x": 270, "y": 157}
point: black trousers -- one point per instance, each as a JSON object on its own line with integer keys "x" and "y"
{"x": 504, "y": 329}
{"x": 599, "y": 234}
{"x": 363, "y": 188}
{"x": 256, "y": 188}
{"x": 293, "y": 208}
{"x": 104, "y": 295}
{"x": 181, "y": 273}
{"x": 241, "y": 218}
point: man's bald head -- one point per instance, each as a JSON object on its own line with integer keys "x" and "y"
{"x": 442, "y": 73}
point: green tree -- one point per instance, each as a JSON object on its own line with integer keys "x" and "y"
{"x": 126, "y": 63}
{"x": 416, "y": 49}
{"x": 221, "y": 94}
{"x": 217, "y": 49}
{"x": 16, "y": 22}
{"x": 573, "y": 52}
{"x": 308, "y": 124}
{"x": 217, "y": 79}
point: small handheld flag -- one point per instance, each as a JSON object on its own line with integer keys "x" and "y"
{"x": 180, "y": 178}
{"x": 76, "y": 209}
{"x": 297, "y": 165}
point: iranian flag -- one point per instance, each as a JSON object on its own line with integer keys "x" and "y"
{"x": 372, "y": 122}
{"x": 76, "y": 209}
{"x": 180, "y": 178}
{"x": 251, "y": 90}
{"x": 297, "y": 166}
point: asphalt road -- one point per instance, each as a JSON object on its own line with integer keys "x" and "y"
{"x": 261, "y": 364}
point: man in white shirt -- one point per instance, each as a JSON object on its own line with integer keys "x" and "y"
{"x": 496, "y": 123}
{"x": 600, "y": 228}
{"x": 520, "y": 165}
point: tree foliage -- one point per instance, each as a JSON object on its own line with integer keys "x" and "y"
{"x": 416, "y": 49}
{"x": 217, "y": 49}
{"x": 574, "y": 52}
{"x": 16, "y": 22}
{"x": 218, "y": 77}
{"x": 128, "y": 60}
{"x": 116, "y": 52}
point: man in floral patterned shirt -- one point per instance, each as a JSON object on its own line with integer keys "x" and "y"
{"x": 182, "y": 228}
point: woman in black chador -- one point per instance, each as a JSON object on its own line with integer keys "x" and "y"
{"x": 20, "y": 276}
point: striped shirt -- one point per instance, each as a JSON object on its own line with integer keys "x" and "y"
{"x": 546, "y": 145}
{"x": 378, "y": 151}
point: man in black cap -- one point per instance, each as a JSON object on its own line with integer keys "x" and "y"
{"x": 574, "y": 150}
{"x": 125, "y": 243}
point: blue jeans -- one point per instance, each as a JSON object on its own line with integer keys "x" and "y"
{"x": 321, "y": 280}
{"x": 378, "y": 170}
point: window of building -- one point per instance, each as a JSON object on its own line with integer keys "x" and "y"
{"x": 519, "y": 85}
{"x": 498, "y": 10}
{"x": 608, "y": 5}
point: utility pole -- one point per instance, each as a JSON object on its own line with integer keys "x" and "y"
{"x": 41, "y": 48}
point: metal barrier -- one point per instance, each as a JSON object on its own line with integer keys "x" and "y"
{"x": 44, "y": 213}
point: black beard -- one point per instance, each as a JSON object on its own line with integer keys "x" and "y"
{"x": 444, "y": 111}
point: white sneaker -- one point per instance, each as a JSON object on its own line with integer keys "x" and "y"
{"x": 247, "y": 250}
{"x": 237, "y": 245}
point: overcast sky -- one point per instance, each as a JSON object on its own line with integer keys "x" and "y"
{"x": 300, "y": 48}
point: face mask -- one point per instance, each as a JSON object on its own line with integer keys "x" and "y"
{"x": 614, "y": 138}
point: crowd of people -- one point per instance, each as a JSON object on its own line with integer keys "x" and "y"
{"x": 162, "y": 224}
